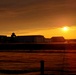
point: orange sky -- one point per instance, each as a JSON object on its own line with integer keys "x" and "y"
{"x": 42, "y": 17}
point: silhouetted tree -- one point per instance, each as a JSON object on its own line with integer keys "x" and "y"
{"x": 13, "y": 38}
{"x": 13, "y": 35}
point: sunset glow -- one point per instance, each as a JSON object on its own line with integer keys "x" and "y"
{"x": 38, "y": 17}
{"x": 65, "y": 28}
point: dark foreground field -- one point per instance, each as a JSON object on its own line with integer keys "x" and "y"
{"x": 56, "y": 62}
{"x": 41, "y": 46}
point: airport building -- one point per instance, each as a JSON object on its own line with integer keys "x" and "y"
{"x": 30, "y": 39}
{"x": 57, "y": 39}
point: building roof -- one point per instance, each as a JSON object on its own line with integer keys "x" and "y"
{"x": 58, "y": 39}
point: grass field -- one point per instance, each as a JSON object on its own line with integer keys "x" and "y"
{"x": 56, "y": 62}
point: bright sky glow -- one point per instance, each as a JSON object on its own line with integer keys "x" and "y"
{"x": 65, "y": 28}
{"x": 38, "y": 17}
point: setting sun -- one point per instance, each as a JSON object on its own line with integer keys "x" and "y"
{"x": 65, "y": 28}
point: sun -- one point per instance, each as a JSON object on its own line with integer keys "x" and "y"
{"x": 66, "y": 28}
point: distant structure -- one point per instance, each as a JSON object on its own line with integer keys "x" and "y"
{"x": 3, "y": 39}
{"x": 30, "y": 39}
{"x": 71, "y": 40}
{"x": 58, "y": 39}
{"x": 47, "y": 40}
{"x": 25, "y": 39}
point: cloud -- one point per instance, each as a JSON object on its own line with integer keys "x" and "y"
{"x": 16, "y": 5}
{"x": 34, "y": 7}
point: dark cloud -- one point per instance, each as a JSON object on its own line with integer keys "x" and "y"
{"x": 18, "y": 5}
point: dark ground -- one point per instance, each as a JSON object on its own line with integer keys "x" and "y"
{"x": 59, "y": 59}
